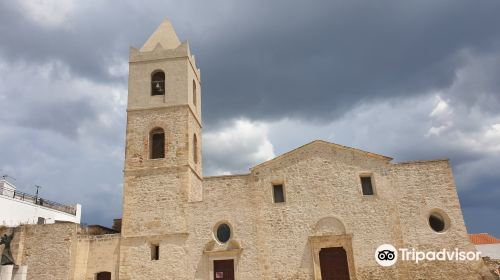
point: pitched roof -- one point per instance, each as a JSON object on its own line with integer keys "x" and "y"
{"x": 315, "y": 142}
{"x": 164, "y": 35}
{"x": 483, "y": 238}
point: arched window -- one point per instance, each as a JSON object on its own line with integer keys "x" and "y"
{"x": 195, "y": 149}
{"x": 104, "y": 275}
{"x": 194, "y": 92}
{"x": 157, "y": 143}
{"x": 158, "y": 83}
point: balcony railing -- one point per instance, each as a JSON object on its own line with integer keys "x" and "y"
{"x": 15, "y": 194}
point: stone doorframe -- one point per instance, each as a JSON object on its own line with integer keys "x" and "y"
{"x": 327, "y": 241}
{"x": 233, "y": 254}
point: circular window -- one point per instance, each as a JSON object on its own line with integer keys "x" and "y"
{"x": 438, "y": 221}
{"x": 223, "y": 233}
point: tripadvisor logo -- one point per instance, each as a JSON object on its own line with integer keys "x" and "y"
{"x": 387, "y": 255}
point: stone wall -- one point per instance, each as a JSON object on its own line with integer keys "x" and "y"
{"x": 63, "y": 251}
{"x": 139, "y": 125}
{"x": 82, "y": 257}
{"x": 321, "y": 181}
{"x": 98, "y": 253}
{"x": 50, "y": 251}
{"x": 272, "y": 241}
{"x": 225, "y": 199}
{"x": 423, "y": 188}
{"x": 175, "y": 67}
{"x": 136, "y": 261}
{"x": 153, "y": 204}
{"x": 494, "y": 266}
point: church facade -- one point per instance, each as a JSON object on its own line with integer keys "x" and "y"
{"x": 317, "y": 212}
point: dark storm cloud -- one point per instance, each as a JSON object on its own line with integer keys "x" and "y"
{"x": 314, "y": 59}
{"x": 41, "y": 98}
{"x": 479, "y": 193}
{"x": 320, "y": 59}
{"x": 89, "y": 42}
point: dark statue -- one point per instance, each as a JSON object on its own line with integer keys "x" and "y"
{"x": 7, "y": 258}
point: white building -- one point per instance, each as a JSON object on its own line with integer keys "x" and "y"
{"x": 21, "y": 208}
{"x": 488, "y": 245}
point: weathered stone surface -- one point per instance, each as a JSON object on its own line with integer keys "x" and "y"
{"x": 493, "y": 266}
{"x": 49, "y": 251}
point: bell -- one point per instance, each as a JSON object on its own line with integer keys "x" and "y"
{"x": 158, "y": 87}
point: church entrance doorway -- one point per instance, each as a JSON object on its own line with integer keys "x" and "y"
{"x": 224, "y": 269}
{"x": 333, "y": 263}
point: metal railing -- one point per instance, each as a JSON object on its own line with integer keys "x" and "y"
{"x": 15, "y": 194}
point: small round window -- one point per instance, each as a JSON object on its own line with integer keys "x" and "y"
{"x": 223, "y": 233}
{"x": 438, "y": 222}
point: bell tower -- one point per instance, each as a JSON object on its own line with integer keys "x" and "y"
{"x": 163, "y": 164}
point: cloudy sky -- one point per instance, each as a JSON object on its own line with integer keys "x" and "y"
{"x": 412, "y": 80}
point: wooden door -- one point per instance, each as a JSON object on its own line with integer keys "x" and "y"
{"x": 224, "y": 270}
{"x": 103, "y": 276}
{"x": 333, "y": 263}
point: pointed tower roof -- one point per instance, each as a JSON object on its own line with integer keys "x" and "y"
{"x": 164, "y": 35}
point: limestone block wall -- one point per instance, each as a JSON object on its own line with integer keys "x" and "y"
{"x": 194, "y": 75}
{"x": 194, "y": 187}
{"x": 136, "y": 261}
{"x": 176, "y": 80}
{"x": 61, "y": 251}
{"x": 423, "y": 188}
{"x": 194, "y": 128}
{"x": 82, "y": 257}
{"x": 97, "y": 253}
{"x": 321, "y": 181}
{"x": 50, "y": 251}
{"x": 226, "y": 199}
{"x": 153, "y": 203}
{"x": 139, "y": 125}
